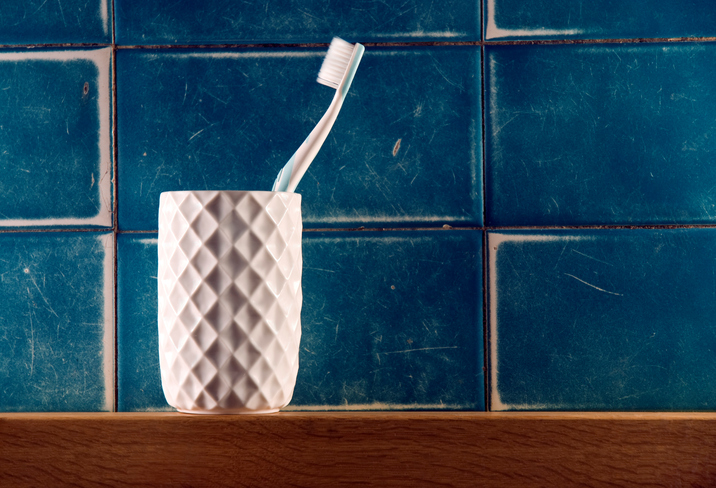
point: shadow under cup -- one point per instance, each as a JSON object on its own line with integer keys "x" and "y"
{"x": 230, "y": 298}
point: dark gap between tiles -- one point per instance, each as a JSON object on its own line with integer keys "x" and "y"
{"x": 68, "y": 229}
{"x": 614, "y": 226}
{"x": 430, "y": 43}
{"x": 485, "y": 318}
{"x": 115, "y": 187}
{"x": 391, "y": 229}
{"x": 366, "y": 44}
{"x": 29, "y": 47}
{"x": 115, "y": 219}
{"x": 116, "y": 345}
{"x": 601, "y": 41}
{"x": 334, "y": 229}
{"x": 406, "y": 229}
{"x": 114, "y": 21}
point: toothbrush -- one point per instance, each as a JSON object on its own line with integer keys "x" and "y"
{"x": 337, "y": 71}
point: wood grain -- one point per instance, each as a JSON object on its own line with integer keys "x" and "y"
{"x": 359, "y": 449}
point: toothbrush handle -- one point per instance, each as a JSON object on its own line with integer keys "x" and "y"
{"x": 292, "y": 173}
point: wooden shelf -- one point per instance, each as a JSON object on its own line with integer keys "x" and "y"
{"x": 355, "y": 448}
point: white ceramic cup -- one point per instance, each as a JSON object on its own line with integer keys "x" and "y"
{"x": 230, "y": 299}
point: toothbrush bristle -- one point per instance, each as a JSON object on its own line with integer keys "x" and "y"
{"x": 336, "y": 62}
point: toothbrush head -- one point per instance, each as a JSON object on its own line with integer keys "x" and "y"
{"x": 340, "y": 64}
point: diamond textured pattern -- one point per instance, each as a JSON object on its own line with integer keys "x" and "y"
{"x": 230, "y": 298}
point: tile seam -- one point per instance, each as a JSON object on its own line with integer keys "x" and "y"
{"x": 68, "y": 229}
{"x": 115, "y": 221}
{"x": 485, "y": 314}
{"x": 78, "y": 45}
{"x": 650, "y": 40}
{"x": 405, "y": 229}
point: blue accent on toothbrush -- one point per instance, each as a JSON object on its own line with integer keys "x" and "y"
{"x": 284, "y": 176}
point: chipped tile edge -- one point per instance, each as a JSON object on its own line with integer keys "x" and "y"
{"x": 107, "y": 242}
{"x": 102, "y": 59}
{"x": 494, "y": 241}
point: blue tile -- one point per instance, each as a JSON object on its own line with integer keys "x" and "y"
{"x": 603, "y": 319}
{"x": 56, "y": 321}
{"x": 55, "y": 22}
{"x": 55, "y": 138}
{"x": 139, "y": 384}
{"x": 214, "y": 22}
{"x": 598, "y": 19}
{"x": 380, "y": 326}
{"x": 600, "y": 134}
{"x": 405, "y": 150}
{"x": 391, "y": 321}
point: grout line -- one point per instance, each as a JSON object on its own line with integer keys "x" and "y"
{"x": 485, "y": 324}
{"x": 62, "y": 229}
{"x": 528, "y": 42}
{"x": 116, "y": 321}
{"x": 115, "y": 220}
{"x": 485, "y": 317}
{"x": 113, "y": 22}
{"x": 597, "y": 227}
{"x": 635, "y": 40}
{"x": 68, "y": 45}
{"x": 446, "y": 227}
{"x": 229, "y": 46}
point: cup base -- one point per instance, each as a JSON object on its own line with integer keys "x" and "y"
{"x": 228, "y": 411}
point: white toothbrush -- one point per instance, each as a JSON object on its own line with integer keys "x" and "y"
{"x": 337, "y": 71}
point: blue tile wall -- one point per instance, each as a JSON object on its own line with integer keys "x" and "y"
{"x": 598, "y": 19}
{"x": 374, "y": 334}
{"x": 290, "y": 21}
{"x": 542, "y": 167}
{"x": 199, "y": 120}
{"x": 59, "y": 22}
{"x": 56, "y": 321}
{"x": 603, "y": 319}
{"x": 381, "y": 329}
{"x": 139, "y": 386}
{"x": 600, "y": 134}
{"x": 55, "y": 138}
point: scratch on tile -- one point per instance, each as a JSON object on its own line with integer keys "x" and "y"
{"x": 590, "y": 257}
{"x": 27, "y": 271}
{"x": 62, "y": 13}
{"x": 437, "y": 68}
{"x": 197, "y": 133}
{"x": 319, "y": 269}
{"x": 595, "y": 287}
{"x": 39, "y": 8}
{"x": 32, "y": 339}
{"x": 419, "y": 349}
